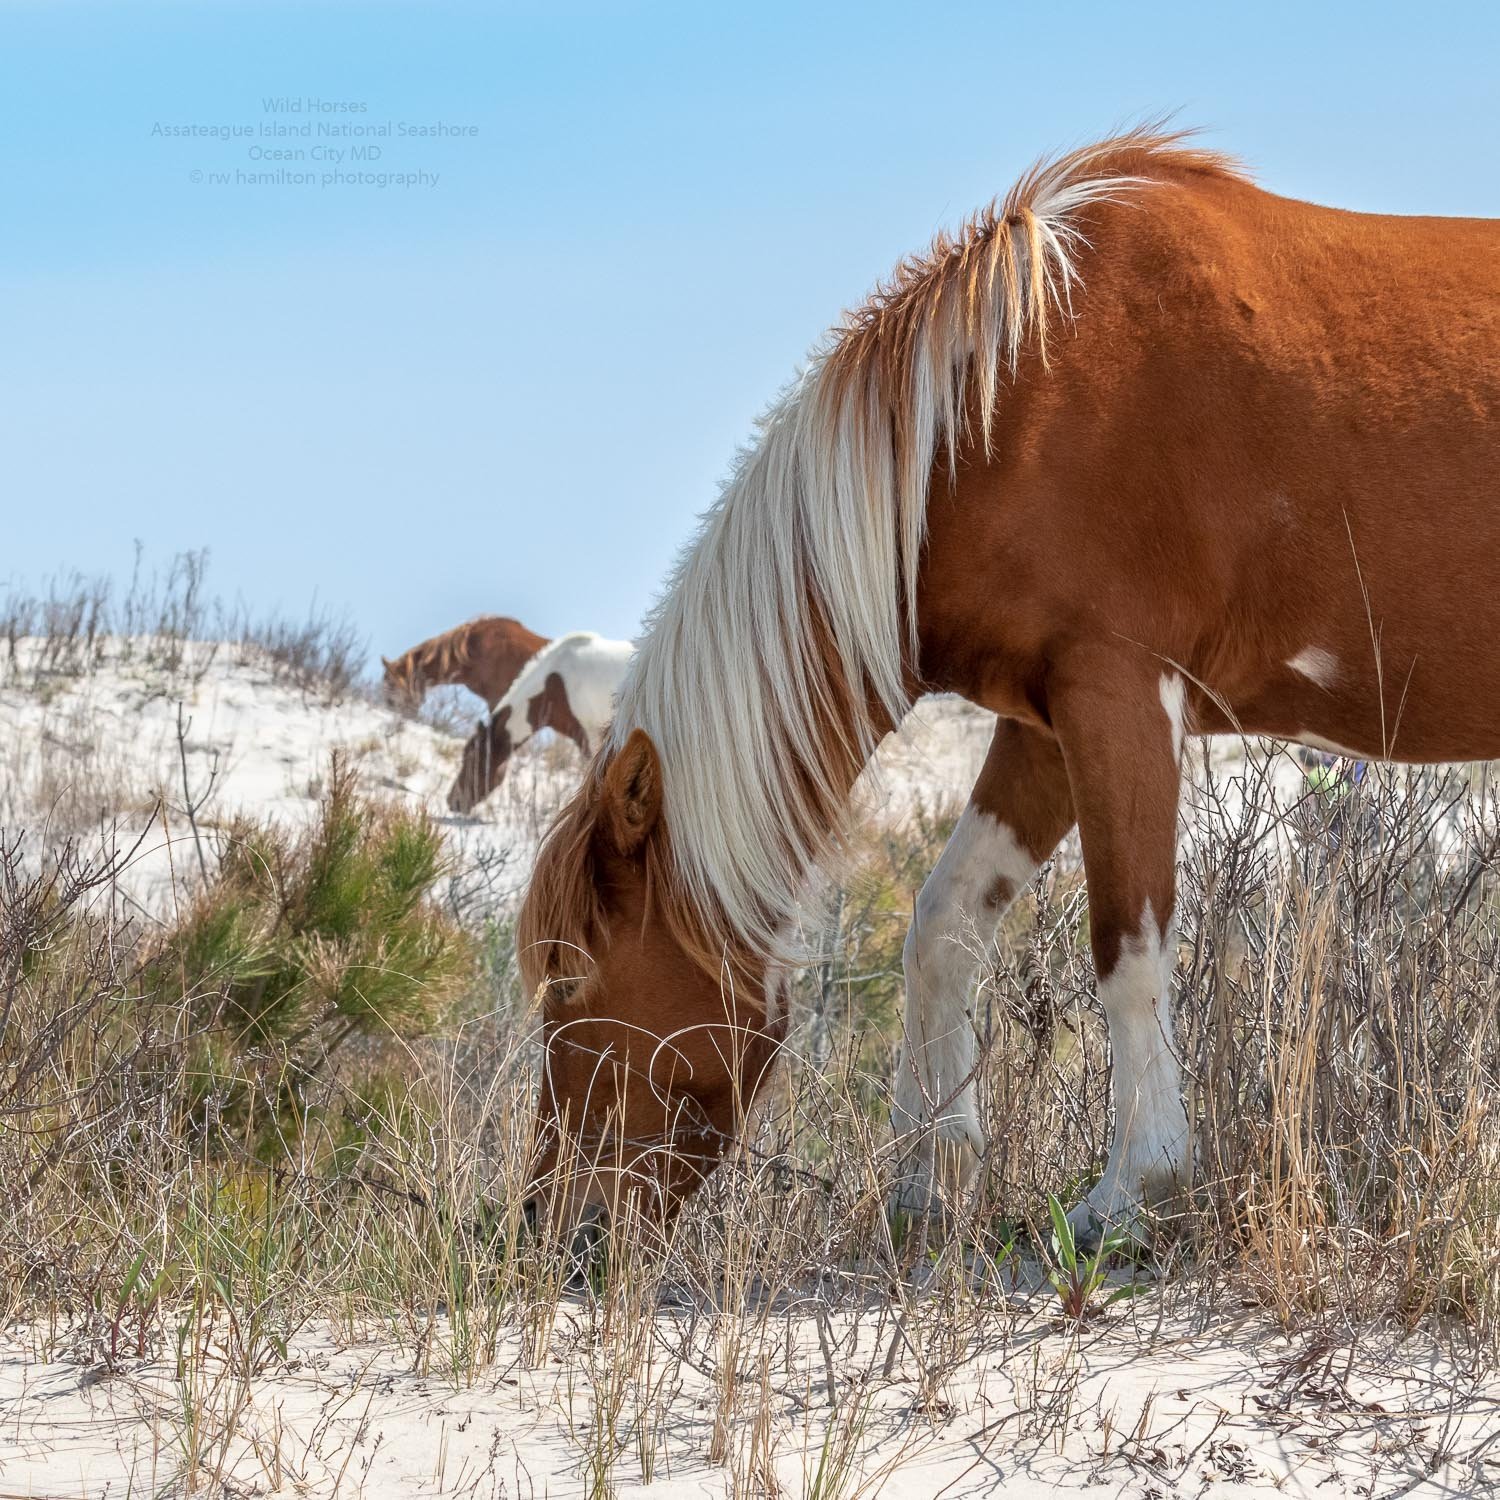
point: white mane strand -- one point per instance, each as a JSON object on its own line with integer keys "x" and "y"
{"x": 787, "y": 617}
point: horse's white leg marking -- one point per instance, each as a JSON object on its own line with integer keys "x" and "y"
{"x": 982, "y": 868}
{"x": 1149, "y": 1156}
{"x": 1317, "y": 665}
{"x": 1174, "y": 701}
{"x": 1125, "y": 766}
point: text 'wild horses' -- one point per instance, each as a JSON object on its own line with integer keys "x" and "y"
{"x": 1142, "y": 452}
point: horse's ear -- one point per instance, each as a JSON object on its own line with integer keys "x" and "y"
{"x": 630, "y": 797}
{"x": 385, "y": 662}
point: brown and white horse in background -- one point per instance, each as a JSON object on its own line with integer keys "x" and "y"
{"x": 484, "y": 656}
{"x": 1142, "y": 452}
{"x": 569, "y": 686}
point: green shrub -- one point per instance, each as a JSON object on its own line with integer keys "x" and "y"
{"x": 301, "y": 944}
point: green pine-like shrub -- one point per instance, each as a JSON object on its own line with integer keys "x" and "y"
{"x": 304, "y": 943}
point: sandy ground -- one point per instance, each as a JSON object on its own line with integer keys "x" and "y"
{"x": 87, "y": 756}
{"x": 1136, "y": 1404}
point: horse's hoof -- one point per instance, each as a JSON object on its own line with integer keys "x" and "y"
{"x": 586, "y": 1253}
{"x": 1125, "y": 1224}
{"x": 910, "y": 1213}
{"x": 1088, "y": 1228}
{"x": 915, "y": 1199}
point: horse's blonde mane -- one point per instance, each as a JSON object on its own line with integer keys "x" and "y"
{"x": 780, "y": 650}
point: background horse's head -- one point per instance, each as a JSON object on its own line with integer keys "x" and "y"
{"x": 486, "y": 753}
{"x": 654, "y": 1045}
{"x": 402, "y": 685}
{"x": 484, "y": 655}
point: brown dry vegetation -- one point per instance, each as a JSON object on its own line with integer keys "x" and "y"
{"x": 301, "y": 1111}
{"x": 185, "y": 1178}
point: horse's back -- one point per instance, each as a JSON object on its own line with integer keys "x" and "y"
{"x": 1345, "y": 305}
{"x": 599, "y": 669}
{"x": 588, "y": 667}
{"x": 1273, "y": 429}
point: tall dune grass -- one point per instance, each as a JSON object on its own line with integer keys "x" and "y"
{"x": 168, "y": 621}
{"x": 1338, "y": 1016}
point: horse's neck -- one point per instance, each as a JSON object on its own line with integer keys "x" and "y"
{"x": 432, "y": 665}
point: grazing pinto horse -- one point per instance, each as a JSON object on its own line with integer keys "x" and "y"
{"x": 568, "y": 686}
{"x": 1143, "y": 452}
{"x": 484, "y": 656}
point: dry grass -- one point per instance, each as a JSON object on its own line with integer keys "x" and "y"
{"x": 168, "y": 624}
{"x": 81, "y": 781}
{"x": 1338, "y": 1013}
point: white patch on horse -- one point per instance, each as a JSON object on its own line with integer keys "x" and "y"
{"x": 1149, "y": 1155}
{"x": 1174, "y": 701}
{"x": 1320, "y": 667}
{"x": 591, "y": 667}
{"x": 1329, "y": 747}
{"x": 955, "y": 917}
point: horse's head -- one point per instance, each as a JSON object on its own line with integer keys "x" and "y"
{"x": 401, "y": 684}
{"x": 483, "y": 767}
{"x": 653, "y": 1046}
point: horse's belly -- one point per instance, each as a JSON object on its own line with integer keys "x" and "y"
{"x": 1411, "y": 707}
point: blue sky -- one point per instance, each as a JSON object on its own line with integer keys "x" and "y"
{"x": 513, "y": 389}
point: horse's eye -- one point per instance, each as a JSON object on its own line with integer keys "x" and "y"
{"x": 562, "y": 989}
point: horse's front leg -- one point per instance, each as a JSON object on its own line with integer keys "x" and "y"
{"x": 1119, "y": 718}
{"x": 1017, "y": 812}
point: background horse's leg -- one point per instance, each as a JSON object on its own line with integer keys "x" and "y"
{"x": 1018, "y": 810}
{"x": 1120, "y": 720}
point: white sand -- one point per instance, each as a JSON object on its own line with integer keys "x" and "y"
{"x": 88, "y": 756}
{"x": 1127, "y": 1406}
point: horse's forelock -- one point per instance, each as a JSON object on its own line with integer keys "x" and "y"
{"x": 560, "y": 917}
{"x": 562, "y": 925}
